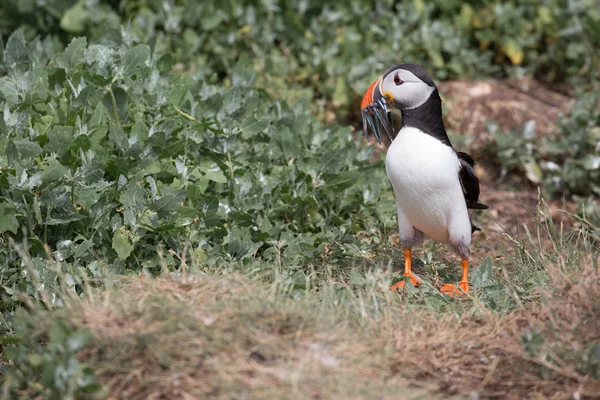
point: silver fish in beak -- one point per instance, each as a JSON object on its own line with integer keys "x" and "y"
{"x": 375, "y": 113}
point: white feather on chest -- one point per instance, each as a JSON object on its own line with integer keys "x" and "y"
{"x": 424, "y": 174}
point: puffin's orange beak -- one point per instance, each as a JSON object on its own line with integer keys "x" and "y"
{"x": 374, "y": 111}
{"x": 367, "y": 99}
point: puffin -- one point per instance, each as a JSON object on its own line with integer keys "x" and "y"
{"x": 434, "y": 185}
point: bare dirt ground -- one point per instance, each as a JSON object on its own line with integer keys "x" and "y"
{"x": 508, "y": 104}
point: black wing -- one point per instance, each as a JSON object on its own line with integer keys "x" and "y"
{"x": 469, "y": 181}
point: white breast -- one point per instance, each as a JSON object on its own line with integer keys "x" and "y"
{"x": 424, "y": 174}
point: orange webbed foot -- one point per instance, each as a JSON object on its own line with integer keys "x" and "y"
{"x": 401, "y": 284}
{"x": 451, "y": 290}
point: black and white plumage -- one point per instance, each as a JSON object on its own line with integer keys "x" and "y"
{"x": 434, "y": 185}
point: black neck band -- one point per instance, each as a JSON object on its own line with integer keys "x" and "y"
{"x": 428, "y": 118}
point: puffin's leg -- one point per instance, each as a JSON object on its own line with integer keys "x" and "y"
{"x": 464, "y": 282}
{"x": 450, "y": 289}
{"x": 407, "y": 271}
{"x": 460, "y": 242}
{"x": 410, "y": 237}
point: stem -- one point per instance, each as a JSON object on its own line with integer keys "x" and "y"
{"x": 48, "y": 210}
{"x": 29, "y": 216}
{"x": 230, "y": 179}
{"x": 114, "y": 103}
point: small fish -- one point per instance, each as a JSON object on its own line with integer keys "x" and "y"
{"x": 376, "y": 117}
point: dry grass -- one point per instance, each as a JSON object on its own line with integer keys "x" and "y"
{"x": 539, "y": 351}
{"x": 231, "y": 337}
{"x": 530, "y": 330}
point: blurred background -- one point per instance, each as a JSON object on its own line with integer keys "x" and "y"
{"x": 542, "y": 58}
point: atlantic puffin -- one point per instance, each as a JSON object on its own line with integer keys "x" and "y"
{"x": 434, "y": 185}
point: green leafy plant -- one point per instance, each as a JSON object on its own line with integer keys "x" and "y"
{"x": 107, "y": 156}
{"x": 328, "y": 52}
{"x": 44, "y": 361}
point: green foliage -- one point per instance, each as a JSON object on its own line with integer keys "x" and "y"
{"x": 323, "y": 50}
{"x": 45, "y": 363}
{"x": 105, "y": 158}
{"x": 564, "y": 164}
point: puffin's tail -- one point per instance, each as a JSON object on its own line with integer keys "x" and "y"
{"x": 477, "y": 206}
{"x": 474, "y": 228}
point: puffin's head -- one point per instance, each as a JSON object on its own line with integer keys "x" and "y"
{"x": 402, "y": 87}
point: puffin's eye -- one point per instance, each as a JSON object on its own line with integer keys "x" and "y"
{"x": 397, "y": 80}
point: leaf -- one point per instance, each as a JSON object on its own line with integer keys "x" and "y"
{"x": 140, "y": 130}
{"x": 529, "y": 130}
{"x": 240, "y": 244}
{"x": 121, "y": 102}
{"x": 75, "y": 18}
{"x": 8, "y": 218}
{"x": 99, "y": 117}
{"x": 16, "y": 51}
{"x": 215, "y": 174}
{"x": 513, "y": 51}
{"x": 64, "y": 219}
{"x": 252, "y": 127}
{"x": 482, "y": 276}
{"x": 83, "y": 248}
{"x": 592, "y": 162}
{"x": 134, "y": 197}
{"x": 165, "y": 63}
{"x": 86, "y": 198}
{"x": 16, "y": 122}
{"x": 118, "y": 138}
{"x": 242, "y": 219}
{"x": 78, "y": 340}
{"x": 39, "y": 89}
{"x": 57, "y": 334}
{"x": 232, "y": 102}
{"x": 343, "y": 180}
{"x": 545, "y": 15}
{"x": 176, "y": 93}
{"x": 341, "y": 92}
{"x": 211, "y": 21}
{"x": 27, "y": 149}
{"x": 100, "y": 58}
{"x": 53, "y": 171}
{"x": 436, "y": 56}
{"x": 135, "y": 60}
{"x": 73, "y": 54}
{"x": 169, "y": 200}
{"x": 121, "y": 243}
{"x": 61, "y": 138}
{"x": 37, "y": 211}
{"x": 9, "y": 91}
{"x": 533, "y": 171}
{"x": 81, "y": 142}
{"x": 209, "y": 205}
